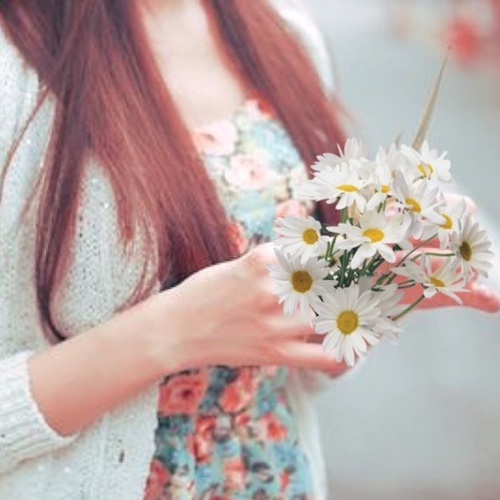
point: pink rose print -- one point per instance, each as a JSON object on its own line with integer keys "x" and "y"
{"x": 241, "y": 392}
{"x": 182, "y": 394}
{"x": 218, "y": 138}
{"x": 276, "y": 431}
{"x": 159, "y": 477}
{"x": 242, "y": 420}
{"x": 234, "y": 474}
{"x": 285, "y": 480}
{"x": 203, "y": 438}
{"x": 248, "y": 172}
{"x": 247, "y": 428}
{"x": 291, "y": 207}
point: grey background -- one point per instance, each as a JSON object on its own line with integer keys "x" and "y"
{"x": 422, "y": 420}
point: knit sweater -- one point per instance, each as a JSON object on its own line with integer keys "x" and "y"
{"x": 111, "y": 458}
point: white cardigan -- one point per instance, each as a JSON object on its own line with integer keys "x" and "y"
{"x": 111, "y": 458}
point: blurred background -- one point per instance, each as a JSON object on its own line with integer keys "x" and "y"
{"x": 421, "y": 421}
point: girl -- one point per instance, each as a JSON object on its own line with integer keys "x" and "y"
{"x": 146, "y": 147}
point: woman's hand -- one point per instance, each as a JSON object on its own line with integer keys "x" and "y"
{"x": 480, "y": 297}
{"x": 228, "y": 314}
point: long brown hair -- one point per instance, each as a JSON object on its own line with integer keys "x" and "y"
{"x": 112, "y": 103}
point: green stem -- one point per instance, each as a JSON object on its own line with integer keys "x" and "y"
{"x": 344, "y": 215}
{"x": 372, "y": 263}
{"x": 418, "y": 247}
{"x": 344, "y": 260}
{"x": 329, "y": 251}
{"x": 409, "y": 308}
{"x": 407, "y": 282}
{"x": 382, "y": 207}
{"x": 382, "y": 279}
{"x": 441, "y": 254}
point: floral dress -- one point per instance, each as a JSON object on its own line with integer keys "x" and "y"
{"x": 224, "y": 432}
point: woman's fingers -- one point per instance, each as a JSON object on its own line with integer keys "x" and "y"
{"x": 292, "y": 327}
{"x": 309, "y": 356}
{"x": 260, "y": 258}
{"x": 478, "y": 297}
{"x": 315, "y": 338}
{"x": 482, "y": 298}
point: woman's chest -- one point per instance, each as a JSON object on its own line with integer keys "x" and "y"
{"x": 256, "y": 169}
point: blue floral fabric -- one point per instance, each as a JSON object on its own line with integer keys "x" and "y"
{"x": 228, "y": 432}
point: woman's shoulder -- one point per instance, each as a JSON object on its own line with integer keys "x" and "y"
{"x": 300, "y": 20}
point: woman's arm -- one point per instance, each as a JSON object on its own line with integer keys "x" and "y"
{"x": 104, "y": 367}
{"x": 238, "y": 321}
{"x": 46, "y": 398}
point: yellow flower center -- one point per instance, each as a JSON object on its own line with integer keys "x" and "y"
{"x": 386, "y": 189}
{"x": 449, "y": 222}
{"x": 437, "y": 282}
{"x": 375, "y": 235}
{"x": 348, "y": 322}
{"x": 348, "y": 188}
{"x": 426, "y": 169}
{"x": 310, "y": 236}
{"x": 302, "y": 281}
{"x": 466, "y": 251}
{"x": 414, "y": 205}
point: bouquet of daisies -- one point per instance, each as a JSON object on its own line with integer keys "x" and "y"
{"x": 396, "y": 231}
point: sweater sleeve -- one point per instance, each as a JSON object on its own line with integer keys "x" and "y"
{"x": 24, "y": 433}
{"x": 113, "y": 454}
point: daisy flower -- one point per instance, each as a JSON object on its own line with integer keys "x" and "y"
{"x": 346, "y": 317}
{"x": 453, "y": 214}
{"x": 393, "y": 158}
{"x": 341, "y": 184}
{"x": 446, "y": 279}
{"x": 354, "y": 149}
{"x": 472, "y": 247}
{"x": 301, "y": 237}
{"x": 300, "y": 285}
{"x": 375, "y": 234}
{"x": 428, "y": 162}
{"x": 422, "y": 202}
{"x": 382, "y": 172}
{"x": 380, "y": 185}
{"x": 389, "y": 303}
